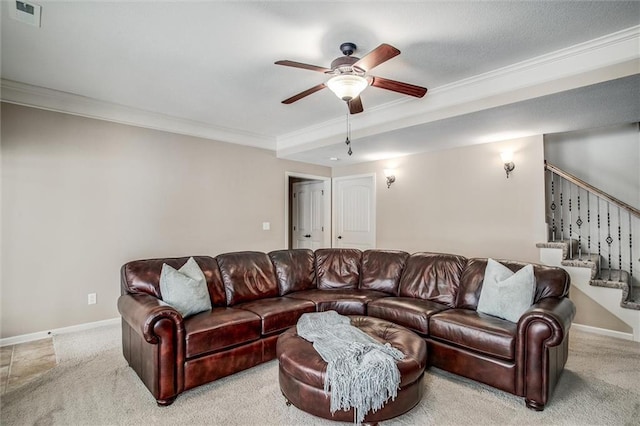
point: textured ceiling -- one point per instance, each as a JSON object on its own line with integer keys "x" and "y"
{"x": 212, "y": 62}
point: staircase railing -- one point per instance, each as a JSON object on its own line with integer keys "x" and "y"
{"x": 602, "y": 224}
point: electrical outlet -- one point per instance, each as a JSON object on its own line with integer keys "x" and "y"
{"x": 91, "y": 299}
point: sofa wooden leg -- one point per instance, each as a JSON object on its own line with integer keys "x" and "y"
{"x": 533, "y": 405}
{"x": 286, "y": 400}
{"x": 165, "y": 402}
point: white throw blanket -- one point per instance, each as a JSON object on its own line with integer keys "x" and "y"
{"x": 361, "y": 372}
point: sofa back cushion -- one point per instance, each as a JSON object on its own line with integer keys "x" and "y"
{"x": 338, "y": 268}
{"x": 247, "y": 276}
{"x": 381, "y": 270}
{"x": 432, "y": 276}
{"x": 143, "y": 276}
{"x": 550, "y": 281}
{"x": 294, "y": 270}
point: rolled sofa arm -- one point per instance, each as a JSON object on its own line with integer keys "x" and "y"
{"x": 542, "y": 347}
{"x": 153, "y": 344}
{"x": 557, "y": 313}
{"x": 143, "y": 311}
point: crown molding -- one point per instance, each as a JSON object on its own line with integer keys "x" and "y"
{"x": 69, "y": 103}
{"x": 612, "y": 56}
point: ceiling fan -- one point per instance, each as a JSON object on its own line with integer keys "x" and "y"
{"x": 350, "y": 78}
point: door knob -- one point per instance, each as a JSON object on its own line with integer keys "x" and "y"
{"x": 339, "y": 237}
{"x": 308, "y": 236}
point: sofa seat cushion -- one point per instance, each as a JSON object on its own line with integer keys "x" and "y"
{"x": 406, "y": 311}
{"x": 278, "y": 313}
{"x": 345, "y": 301}
{"x": 219, "y": 329}
{"x": 475, "y": 331}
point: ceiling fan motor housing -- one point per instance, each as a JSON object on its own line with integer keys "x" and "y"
{"x": 344, "y": 64}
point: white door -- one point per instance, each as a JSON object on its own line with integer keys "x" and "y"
{"x": 355, "y": 208}
{"x": 308, "y": 215}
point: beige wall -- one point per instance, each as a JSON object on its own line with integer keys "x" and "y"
{"x": 80, "y": 197}
{"x": 460, "y": 201}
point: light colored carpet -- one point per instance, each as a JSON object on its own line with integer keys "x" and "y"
{"x": 92, "y": 385}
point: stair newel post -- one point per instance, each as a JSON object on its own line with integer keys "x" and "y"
{"x": 552, "y": 207}
{"x": 579, "y": 223}
{"x": 609, "y": 240}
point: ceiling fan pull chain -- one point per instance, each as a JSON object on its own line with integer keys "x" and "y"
{"x": 348, "y": 140}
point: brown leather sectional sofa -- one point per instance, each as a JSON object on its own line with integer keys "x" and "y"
{"x": 257, "y": 296}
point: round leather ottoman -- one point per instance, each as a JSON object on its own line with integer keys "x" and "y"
{"x": 302, "y": 371}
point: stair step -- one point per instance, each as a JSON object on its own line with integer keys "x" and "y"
{"x": 630, "y": 295}
{"x": 568, "y": 246}
{"x": 612, "y": 279}
{"x": 591, "y": 261}
{"x": 621, "y": 280}
{"x": 631, "y": 299}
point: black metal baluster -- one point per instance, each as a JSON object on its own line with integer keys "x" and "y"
{"x": 619, "y": 245}
{"x": 579, "y": 223}
{"x": 570, "y": 225}
{"x": 561, "y": 211}
{"x": 599, "y": 245}
{"x": 552, "y": 206}
{"x": 609, "y": 240}
{"x": 589, "y": 224}
{"x": 630, "y": 250}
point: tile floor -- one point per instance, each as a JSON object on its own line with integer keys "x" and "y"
{"x": 22, "y": 363}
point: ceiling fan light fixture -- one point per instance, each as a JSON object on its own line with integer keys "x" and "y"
{"x": 347, "y": 86}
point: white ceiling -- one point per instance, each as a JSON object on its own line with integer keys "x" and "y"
{"x": 494, "y": 70}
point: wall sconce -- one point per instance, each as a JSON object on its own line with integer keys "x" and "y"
{"x": 390, "y": 175}
{"x": 507, "y": 159}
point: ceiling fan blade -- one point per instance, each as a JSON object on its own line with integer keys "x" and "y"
{"x": 355, "y": 105}
{"x": 397, "y": 86}
{"x": 380, "y": 54}
{"x": 301, "y": 95}
{"x": 303, "y": 66}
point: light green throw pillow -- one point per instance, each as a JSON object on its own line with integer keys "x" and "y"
{"x": 506, "y": 294}
{"x": 185, "y": 289}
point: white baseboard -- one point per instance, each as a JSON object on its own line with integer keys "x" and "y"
{"x": 87, "y": 326}
{"x": 23, "y": 338}
{"x": 603, "y": 331}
